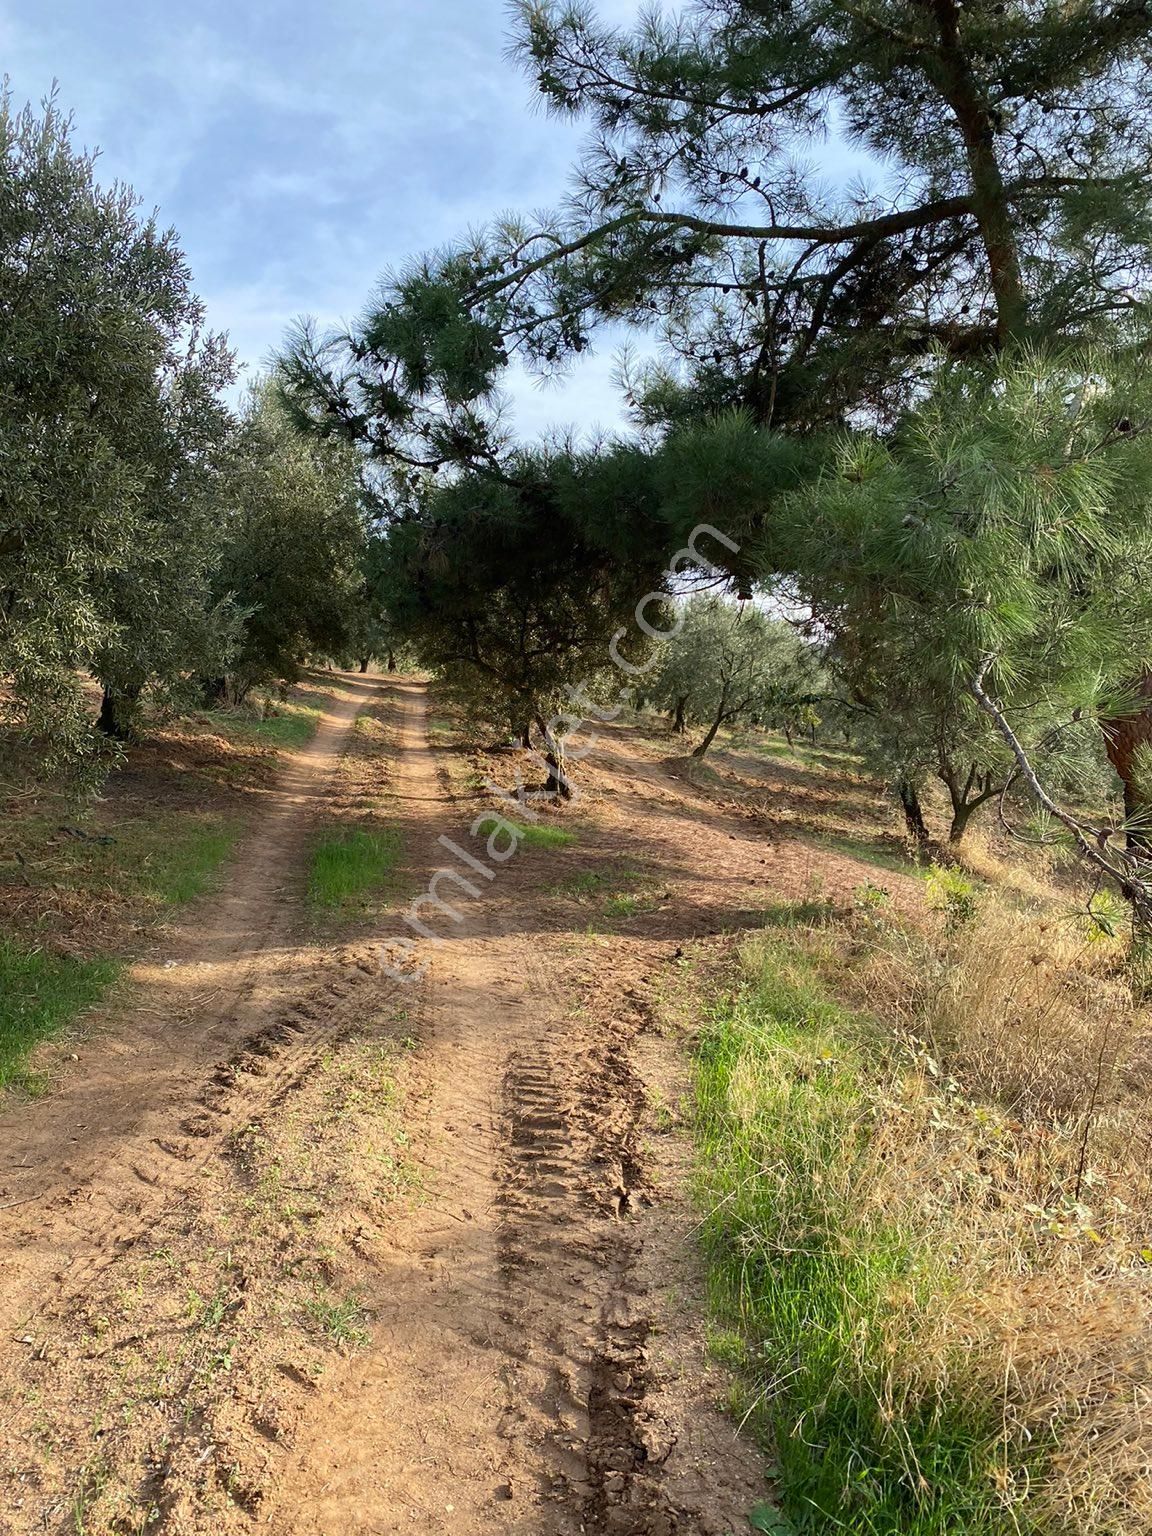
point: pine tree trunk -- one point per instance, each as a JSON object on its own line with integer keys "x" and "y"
{"x": 1123, "y": 739}
{"x": 961, "y": 816}
{"x": 990, "y": 205}
{"x": 913, "y": 812}
{"x": 116, "y": 719}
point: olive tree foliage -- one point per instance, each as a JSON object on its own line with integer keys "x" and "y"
{"x": 168, "y": 626}
{"x": 372, "y": 633}
{"x": 291, "y": 549}
{"x": 989, "y": 565}
{"x": 728, "y": 662}
{"x": 108, "y": 427}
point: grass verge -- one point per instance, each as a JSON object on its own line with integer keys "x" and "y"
{"x": 286, "y": 724}
{"x": 923, "y": 1163}
{"x": 825, "y": 1293}
{"x": 40, "y": 994}
{"x": 538, "y": 836}
{"x": 173, "y": 865}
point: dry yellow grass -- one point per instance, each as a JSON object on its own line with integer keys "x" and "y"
{"x": 1019, "y": 1142}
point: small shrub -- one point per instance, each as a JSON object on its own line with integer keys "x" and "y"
{"x": 953, "y": 893}
{"x": 870, "y": 898}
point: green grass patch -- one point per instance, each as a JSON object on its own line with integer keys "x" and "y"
{"x": 589, "y": 882}
{"x": 538, "y": 836}
{"x": 820, "y": 1293}
{"x": 41, "y": 994}
{"x": 594, "y": 882}
{"x": 186, "y": 866}
{"x": 810, "y": 911}
{"x": 351, "y": 865}
{"x": 837, "y": 759}
{"x": 159, "y": 861}
{"x": 342, "y": 1320}
{"x": 615, "y": 887}
{"x": 291, "y": 725}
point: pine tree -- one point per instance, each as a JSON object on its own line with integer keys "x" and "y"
{"x": 1009, "y": 200}
{"x": 499, "y": 586}
{"x": 1003, "y": 534}
{"x": 1011, "y": 144}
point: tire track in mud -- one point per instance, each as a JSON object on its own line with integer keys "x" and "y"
{"x": 512, "y": 1383}
{"x": 572, "y": 1182}
{"x": 256, "y": 1078}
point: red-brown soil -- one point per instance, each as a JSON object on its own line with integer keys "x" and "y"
{"x": 296, "y": 1246}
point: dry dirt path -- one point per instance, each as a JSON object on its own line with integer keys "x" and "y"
{"x": 510, "y": 1385}
{"x": 85, "y": 1168}
{"x": 534, "y": 1362}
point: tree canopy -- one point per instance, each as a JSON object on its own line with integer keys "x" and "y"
{"x": 729, "y": 662}
{"x": 1002, "y": 195}
{"x": 906, "y": 392}
{"x": 291, "y": 547}
{"x": 149, "y": 536}
{"x": 879, "y": 380}
{"x": 108, "y": 420}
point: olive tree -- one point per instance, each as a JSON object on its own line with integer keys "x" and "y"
{"x": 728, "y": 662}
{"x": 292, "y": 545}
{"x": 98, "y": 316}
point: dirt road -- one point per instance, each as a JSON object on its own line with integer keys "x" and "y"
{"x": 208, "y": 1179}
{"x": 87, "y": 1167}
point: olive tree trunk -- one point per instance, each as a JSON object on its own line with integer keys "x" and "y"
{"x": 117, "y": 717}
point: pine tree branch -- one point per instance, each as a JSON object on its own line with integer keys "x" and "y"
{"x": 884, "y": 226}
{"x": 1128, "y": 873}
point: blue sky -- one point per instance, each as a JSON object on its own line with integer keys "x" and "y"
{"x": 301, "y": 149}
